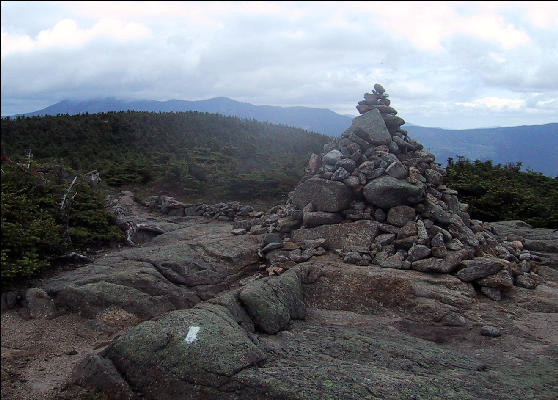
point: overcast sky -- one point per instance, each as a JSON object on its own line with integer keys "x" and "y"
{"x": 449, "y": 64}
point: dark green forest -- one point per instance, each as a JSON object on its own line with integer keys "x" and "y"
{"x": 504, "y": 192}
{"x": 197, "y": 156}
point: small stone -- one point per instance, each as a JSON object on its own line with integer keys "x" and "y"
{"x": 405, "y": 243}
{"x": 480, "y": 267}
{"x": 525, "y": 280}
{"x": 453, "y": 319}
{"x": 332, "y": 157}
{"x": 352, "y": 257}
{"x": 415, "y": 176}
{"x": 437, "y": 240}
{"x": 418, "y": 252}
{"x": 490, "y": 331}
{"x": 439, "y": 252}
{"x": 340, "y": 174}
{"x": 353, "y": 182}
{"x": 385, "y": 239}
{"x": 287, "y": 224}
{"x": 314, "y": 164}
{"x": 491, "y": 293}
{"x": 400, "y": 215}
{"x": 39, "y": 304}
{"x": 410, "y": 229}
{"x": 433, "y": 177}
{"x": 347, "y": 164}
{"x": 298, "y": 256}
{"x": 455, "y": 245}
{"x": 239, "y": 231}
{"x": 422, "y": 233}
{"x": 317, "y": 218}
{"x": 395, "y": 261}
{"x": 397, "y": 170}
{"x": 436, "y": 213}
{"x": 271, "y": 238}
{"x": 271, "y": 246}
{"x": 325, "y": 195}
{"x": 290, "y": 245}
{"x": 379, "y": 215}
{"x": 387, "y": 192}
{"x": 258, "y": 230}
{"x": 313, "y": 243}
{"x": 501, "y": 280}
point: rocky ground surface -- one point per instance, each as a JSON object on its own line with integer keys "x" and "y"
{"x": 191, "y": 312}
{"x": 371, "y": 282}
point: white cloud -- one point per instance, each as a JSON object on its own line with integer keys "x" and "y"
{"x": 67, "y": 33}
{"x": 428, "y": 24}
{"x": 495, "y": 103}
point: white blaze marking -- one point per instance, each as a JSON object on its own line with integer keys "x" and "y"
{"x": 192, "y": 334}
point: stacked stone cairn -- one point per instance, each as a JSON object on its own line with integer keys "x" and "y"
{"x": 376, "y": 198}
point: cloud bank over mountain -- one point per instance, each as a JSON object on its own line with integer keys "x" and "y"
{"x": 455, "y": 65}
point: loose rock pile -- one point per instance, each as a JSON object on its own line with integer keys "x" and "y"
{"x": 226, "y": 211}
{"x": 376, "y": 197}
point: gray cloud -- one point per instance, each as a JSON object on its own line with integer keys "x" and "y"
{"x": 313, "y": 56}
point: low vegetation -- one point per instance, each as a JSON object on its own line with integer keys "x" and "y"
{"x": 503, "y": 192}
{"x": 38, "y": 226}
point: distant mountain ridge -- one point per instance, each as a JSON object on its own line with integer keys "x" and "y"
{"x": 535, "y": 146}
{"x": 319, "y": 120}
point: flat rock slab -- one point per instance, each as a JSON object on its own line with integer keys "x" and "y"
{"x": 363, "y": 289}
{"x": 342, "y": 356}
{"x": 536, "y": 239}
{"x": 348, "y": 346}
{"x": 176, "y": 270}
{"x": 332, "y": 354}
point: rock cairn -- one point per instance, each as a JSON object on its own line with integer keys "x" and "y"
{"x": 377, "y": 198}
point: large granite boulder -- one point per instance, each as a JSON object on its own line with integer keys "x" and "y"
{"x": 184, "y": 354}
{"x": 373, "y": 126}
{"x": 325, "y": 195}
{"x": 387, "y": 192}
{"x": 274, "y": 301}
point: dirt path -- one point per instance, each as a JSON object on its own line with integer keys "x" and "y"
{"x": 38, "y": 355}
